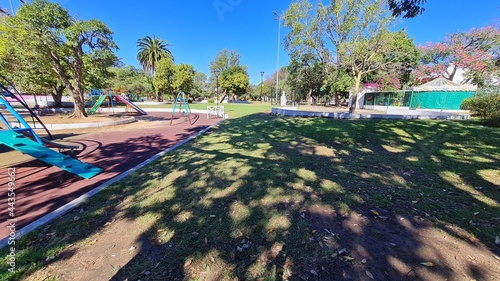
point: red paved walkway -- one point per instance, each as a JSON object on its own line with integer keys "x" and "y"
{"x": 41, "y": 189}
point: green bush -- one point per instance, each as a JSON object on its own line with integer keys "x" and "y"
{"x": 210, "y": 100}
{"x": 486, "y": 105}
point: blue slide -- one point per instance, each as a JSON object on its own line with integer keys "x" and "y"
{"x": 22, "y": 143}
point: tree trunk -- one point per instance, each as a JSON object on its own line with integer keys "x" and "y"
{"x": 57, "y": 100}
{"x": 76, "y": 92}
{"x": 451, "y": 75}
{"x": 79, "y": 104}
{"x": 338, "y": 101}
{"x": 78, "y": 99}
{"x": 309, "y": 96}
{"x": 57, "y": 96}
{"x": 354, "y": 99}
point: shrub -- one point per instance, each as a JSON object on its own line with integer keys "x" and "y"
{"x": 210, "y": 100}
{"x": 486, "y": 105}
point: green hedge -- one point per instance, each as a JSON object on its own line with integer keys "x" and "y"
{"x": 486, "y": 105}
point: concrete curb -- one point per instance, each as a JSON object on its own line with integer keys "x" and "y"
{"x": 346, "y": 115}
{"x": 56, "y": 127}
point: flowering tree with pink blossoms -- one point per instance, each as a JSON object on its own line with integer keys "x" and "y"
{"x": 476, "y": 51}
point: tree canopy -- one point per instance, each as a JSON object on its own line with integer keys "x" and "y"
{"x": 407, "y": 8}
{"x": 307, "y": 75}
{"x": 200, "y": 85}
{"x": 476, "y": 51}
{"x": 76, "y": 51}
{"x": 233, "y": 78}
{"x": 151, "y": 51}
{"x": 130, "y": 79}
{"x": 348, "y": 36}
{"x": 164, "y": 76}
{"x": 183, "y": 78}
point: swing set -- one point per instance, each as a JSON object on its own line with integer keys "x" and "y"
{"x": 181, "y": 104}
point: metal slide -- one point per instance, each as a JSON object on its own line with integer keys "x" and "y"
{"x": 129, "y": 103}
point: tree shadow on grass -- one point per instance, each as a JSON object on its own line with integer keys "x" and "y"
{"x": 305, "y": 199}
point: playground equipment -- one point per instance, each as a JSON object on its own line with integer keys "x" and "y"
{"x": 96, "y": 105}
{"x": 25, "y": 140}
{"x": 131, "y": 105}
{"x": 6, "y": 98}
{"x": 182, "y": 105}
{"x": 110, "y": 96}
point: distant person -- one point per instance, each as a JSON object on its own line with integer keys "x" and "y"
{"x": 124, "y": 96}
{"x": 37, "y": 110}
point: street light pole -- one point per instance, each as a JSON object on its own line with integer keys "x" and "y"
{"x": 217, "y": 90}
{"x": 278, "y": 59}
{"x": 261, "y": 75}
{"x": 217, "y": 73}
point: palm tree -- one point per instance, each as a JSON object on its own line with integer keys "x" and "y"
{"x": 151, "y": 50}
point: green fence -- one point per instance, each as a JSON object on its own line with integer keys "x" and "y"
{"x": 450, "y": 100}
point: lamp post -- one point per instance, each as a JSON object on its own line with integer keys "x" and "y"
{"x": 261, "y": 75}
{"x": 217, "y": 73}
{"x": 278, "y": 17}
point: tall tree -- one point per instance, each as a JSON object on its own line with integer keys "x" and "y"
{"x": 234, "y": 81}
{"x": 476, "y": 51}
{"x": 31, "y": 72}
{"x": 407, "y": 8}
{"x": 346, "y": 34}
{"x": 72, "y": 46}
{"x": 385, "y": 52}
{"x": 164, "y": 77}
{"x": 183, "y": 78}
{"x": 233, "y": 78}
{"x": 151, "y": 51}
{"x": 224, "y": 59}
{"x": 200, "y": 85}
{"x": 130, "y": 79}
{"x": 306, "y": 75}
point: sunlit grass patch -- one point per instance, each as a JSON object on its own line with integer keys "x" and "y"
{"x": 459, "y": 183}
{"x": 331, "y": 186}
{"x": 490, "y": 175}
{"x": 396, "y": 149}
{"x": 306, "y": 175}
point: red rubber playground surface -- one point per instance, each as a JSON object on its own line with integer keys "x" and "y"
{"x": 40, "y": 189}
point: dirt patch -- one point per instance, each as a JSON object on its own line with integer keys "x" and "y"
{"x": 100, "y": 256}
{"x": 373, "y": 243}
{"x": 359, "y": 246}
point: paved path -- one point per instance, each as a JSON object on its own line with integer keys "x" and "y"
{"x": 41, "y": 189}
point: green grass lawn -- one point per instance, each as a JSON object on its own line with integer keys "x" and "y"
{"x": 236, "y": 202}
{"x": 234, "y": 110}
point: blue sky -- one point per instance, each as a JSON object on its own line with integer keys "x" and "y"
{"x": 198, "y": 29}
